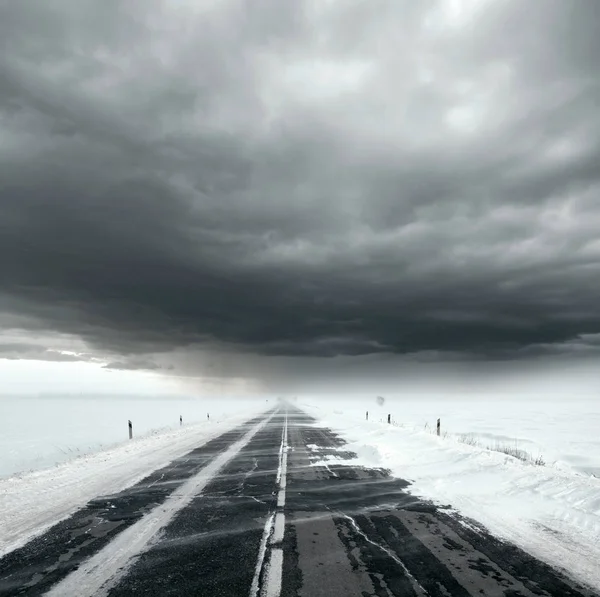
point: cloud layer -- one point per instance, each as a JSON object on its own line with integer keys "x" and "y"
{"x": 301, "y": 178}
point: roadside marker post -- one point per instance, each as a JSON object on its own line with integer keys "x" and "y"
{"x": 130, "y": 430}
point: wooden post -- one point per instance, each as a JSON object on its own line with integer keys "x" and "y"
{"x": 389, "y": 418}
{"x": 367, "y": 415}
{"x": 180, "y": 420}
{"x": 438, "y": 426}
{"x": 130, "y": 430}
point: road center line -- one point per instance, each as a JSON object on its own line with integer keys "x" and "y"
{"x": 97, "y": 575}
{"x": 261, "y": 556}
{"x": 274, "y": 569}
{"x": 281, "y": 447}
{"x": 275, "y": 522}
{"x": 278, "y": 529}
{"x": 274, "y": 574}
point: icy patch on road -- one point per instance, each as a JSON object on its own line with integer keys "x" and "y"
{"x": 550, "y": 512}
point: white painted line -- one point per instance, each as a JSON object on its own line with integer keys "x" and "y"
{"x": 282, "y": 481}
{"x": 261, "y": 556}
{"x": 281, "y": 449}
{"x": 283, "y": 467}
{"x": 272, "y": 586}
{"x": 277, "y": 536}
{"x": 281, "y": 498}
{"x": 97, "y": 575}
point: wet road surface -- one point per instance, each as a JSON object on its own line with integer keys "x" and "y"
{"x": 257, "y": 512}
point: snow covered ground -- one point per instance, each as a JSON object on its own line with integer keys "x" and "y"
{"x": 551, "y": 511}
{"x": 31, "y": 502}
{"x": 38, "y": 433}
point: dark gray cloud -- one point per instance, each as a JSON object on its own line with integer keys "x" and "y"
{"x": 301, "y": 179}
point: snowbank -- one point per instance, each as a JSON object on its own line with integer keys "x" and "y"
{"x": 32, "y": 502}
{"x": 550, "y": 512}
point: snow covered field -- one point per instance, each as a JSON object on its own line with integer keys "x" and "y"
{"x": 565, "y": 432}
{"x": 37, "y": 433}
{"x": 551, "y": 511}
{"x": 31, "y": 502}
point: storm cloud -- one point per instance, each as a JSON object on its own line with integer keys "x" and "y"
{"x": 301, "y": 179}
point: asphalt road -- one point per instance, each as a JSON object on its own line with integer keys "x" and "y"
{"x": 252, "y": 514}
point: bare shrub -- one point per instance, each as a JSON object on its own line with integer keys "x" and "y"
{"x": 469, "y": 439}
{"x": 510, "y": 450}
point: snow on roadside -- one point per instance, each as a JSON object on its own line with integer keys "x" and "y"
{"x": 32, "y": 502}
{"x": 551, "y": 513}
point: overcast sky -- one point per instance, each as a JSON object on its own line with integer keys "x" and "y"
{"x": 267, "y": 190}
